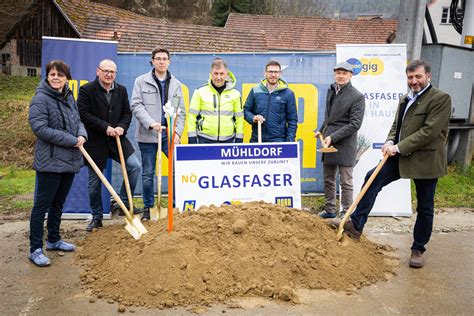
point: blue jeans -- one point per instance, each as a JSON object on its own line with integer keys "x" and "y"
{"x": 425, "y": 192}
{"x": 95, "y": 189}
{"x": 51, "y": 190}
{"x": 148, "y": 152}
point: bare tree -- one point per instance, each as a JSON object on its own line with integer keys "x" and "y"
{"x": 308, "y": 7}
{"x": 267, "y": 7}
{"x": 288, "y": 7}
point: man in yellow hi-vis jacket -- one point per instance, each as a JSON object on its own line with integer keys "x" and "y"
{"x": 215, "y": 113}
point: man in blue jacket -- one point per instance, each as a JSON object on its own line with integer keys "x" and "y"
{"x": 273, "y": 104}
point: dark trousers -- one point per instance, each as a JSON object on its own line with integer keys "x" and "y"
{"x": 425, "y": 191}
{"x": 51, "y": 190}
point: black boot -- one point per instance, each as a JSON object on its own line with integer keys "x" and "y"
{"x": 137, "y": 210}
{"x": 146, "y": 214}
{"x": 95, "y": 223}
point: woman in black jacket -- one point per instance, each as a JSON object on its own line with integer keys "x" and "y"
{"x": 55, "y": 121}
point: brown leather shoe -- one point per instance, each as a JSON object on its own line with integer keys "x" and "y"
{"x": 351, "y": 231}
{"x": 416, "y": 260}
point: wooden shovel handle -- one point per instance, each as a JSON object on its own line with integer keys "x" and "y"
{"x": 106, "y": 182}
{"x": 259, "y": 131}
{"x": 125, "y": 174}
{"x": 158, "y": 189}
{"x": 366, "y": 186}
{"x": 322, "y": 140}
{"x": 172, "y": 134}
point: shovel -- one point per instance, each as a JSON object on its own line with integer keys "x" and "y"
{"x": 366, "y": 186}
{"x": 154, "y": 213}
{"x": 171, "y": 135}
{"x": 125, "y": 174}
{"x": 325, "y": 149}
{"x": 132, "y": 225}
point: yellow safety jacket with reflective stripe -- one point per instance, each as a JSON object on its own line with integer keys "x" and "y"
{"x": 216, "y": 117}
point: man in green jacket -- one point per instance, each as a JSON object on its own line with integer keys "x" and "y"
{"x": 416, "y": 145}
{"x": 215, "y": 112}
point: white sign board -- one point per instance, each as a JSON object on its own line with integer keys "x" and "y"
{"x": 379, "y": 73}
{"x": 234, "y": 173}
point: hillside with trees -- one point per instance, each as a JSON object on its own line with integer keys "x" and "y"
{"x": 215, "y": 12}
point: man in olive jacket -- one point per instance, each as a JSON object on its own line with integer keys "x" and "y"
{"x": 105, "y": 111}
{"x": 345, "y": 107}
{"x": 416, "y": 145}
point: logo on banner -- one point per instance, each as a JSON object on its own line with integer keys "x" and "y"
{"x": 189, "y": 205}
{"x": 284, "y": 201}
{"x": 366, "y": 66}
{"x": 233, "y": 202}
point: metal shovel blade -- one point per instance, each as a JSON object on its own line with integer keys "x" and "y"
{"x": 139, "y": 225}
{"x": 154, "y": 213}
{"x": 163, "y": 212}
{"x": 132, "y": 230}
{"x": 129, "y": 224}
{"x": 327, "y": 150}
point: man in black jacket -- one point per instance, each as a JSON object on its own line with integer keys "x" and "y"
{"x": 345, "y": 107}
{"x": 105, "y": 111}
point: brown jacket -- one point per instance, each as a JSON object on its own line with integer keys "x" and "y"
{"x": 423, "y": 135}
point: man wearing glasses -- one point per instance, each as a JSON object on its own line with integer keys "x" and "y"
{"x": 272, "y": 104}
{"x": 151, "y": 92}
{"x": 105, "y": 112}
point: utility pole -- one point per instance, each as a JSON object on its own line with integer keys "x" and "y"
{"x": 467, "y": 38}
{"x": 411, "y": 19}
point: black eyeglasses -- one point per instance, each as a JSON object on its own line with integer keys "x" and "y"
{"x": 108, "y": 72}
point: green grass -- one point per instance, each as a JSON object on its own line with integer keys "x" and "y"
{"x": 454, "y": 190}
{"x": 16, "y": 189}
{"x": 17, "y": 88}
{"x": 16, "y": 181}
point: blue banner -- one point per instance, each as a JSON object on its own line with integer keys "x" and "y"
{"x": 309, "y": 75}
{"x": 83, "y": 57}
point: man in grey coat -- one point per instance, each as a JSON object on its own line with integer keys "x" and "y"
{"x": 345, "y": 107}
{"x": 151, "y": 92}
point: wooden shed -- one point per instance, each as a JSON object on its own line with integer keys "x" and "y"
{"x": 23, "y": 42}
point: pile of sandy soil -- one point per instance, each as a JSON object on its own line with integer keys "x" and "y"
{"x": 218, "y": 253}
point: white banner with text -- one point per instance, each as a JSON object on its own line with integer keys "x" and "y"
{"x": 379, "y": 74}
{"x": 213, "y": 174}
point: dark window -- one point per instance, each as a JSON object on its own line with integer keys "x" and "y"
{"x": 5, "y": 64}
{"x": 5, "y": 59}
{"x": 31, "y": 72}
{"x": 444, "y": 15}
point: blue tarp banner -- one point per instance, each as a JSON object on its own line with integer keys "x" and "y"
{"x": 308, "y": 74}
{"x": 83, "y": 57}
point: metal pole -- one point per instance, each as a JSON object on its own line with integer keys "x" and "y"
{"x": 411, "y": 18}
{"x": 467, "y": 38}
